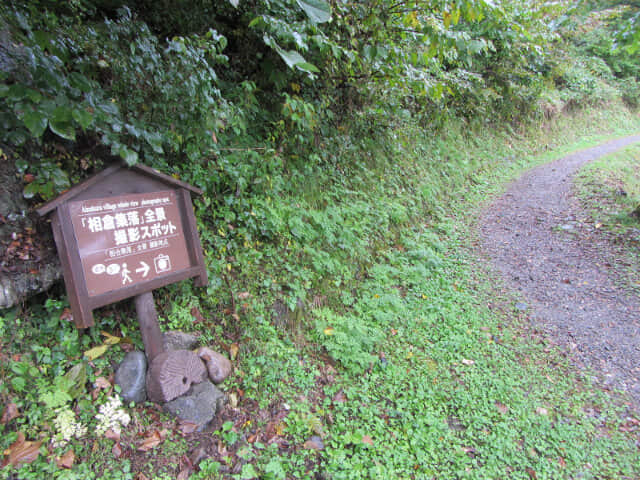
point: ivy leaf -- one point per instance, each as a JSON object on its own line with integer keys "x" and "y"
{"x": 36, "y": 122}
{"x": 318, "y": 11}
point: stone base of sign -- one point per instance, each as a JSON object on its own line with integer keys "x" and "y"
{"x": 177, "y": 340}
{"x": 218, "y": 366}
{"x": 172, "y": 373}
{"x": 131, "y": 376}
{"x": 199, "y": 405}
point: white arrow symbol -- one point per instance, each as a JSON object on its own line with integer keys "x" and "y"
{"x": 144, "y": 269}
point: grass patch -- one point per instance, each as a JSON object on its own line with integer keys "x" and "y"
{"x": 370, "y": 343}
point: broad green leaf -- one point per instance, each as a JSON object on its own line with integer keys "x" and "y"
{"x": 292, "y": 58}
{"x": 4, "y": 90}
{"x": 318, "y": 11}
{"x": 129, "y": 156}
{"x": 155, "y": 140}
{"x": 36, "y": 122}
{"x": 77, "y": 377}
{"x": 80, "y": 82}
{"x": 62, "y": 129}
{"x": 60, "y": 123}
{"x": 307, "y": 67}
{"x": 84, "y": 118}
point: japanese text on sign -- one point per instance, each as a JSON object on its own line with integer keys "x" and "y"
{"x": 127, "y": 239}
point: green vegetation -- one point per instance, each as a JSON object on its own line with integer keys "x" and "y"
{"x": 610, "y": 192}
{"x": 343, "y": 149}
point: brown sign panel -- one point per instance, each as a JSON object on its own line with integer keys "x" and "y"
{"x": 123, "y": 233}
{"x": 128, "y": 239}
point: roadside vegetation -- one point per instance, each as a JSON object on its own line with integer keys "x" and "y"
{"x": 609, "y": 189}
{"x": 344, "y": 150}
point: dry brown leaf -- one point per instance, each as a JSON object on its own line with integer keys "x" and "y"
{"x": 314, "y": 443}
{"x": 102, "y": 383}
{"x": 21, "y": 451}
{"x": 141, "y": 476}
{"x": 244, "y": 295}
{"x": 184, "y": 474}
{"x": 66, "y": 460}
{"x": 117, "y": 450}
{"x": 233, "y": 350}
{"x": 10, "y": 412}
{"x": 186, "y": 427}
{"x": 339, "y": 397}
{"x": 502, "y": 408}
{"x": 542, "y": 411}
{"x": 111, "y": 435}
{"x": 151, "y": 441}
{"x": 367, "y": 439}
{"x": 66, "y": 315}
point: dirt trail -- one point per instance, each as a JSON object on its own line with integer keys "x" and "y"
{"x": 534, "y": 235}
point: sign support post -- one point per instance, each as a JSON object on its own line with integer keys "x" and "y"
{"x": 149, "y": 327}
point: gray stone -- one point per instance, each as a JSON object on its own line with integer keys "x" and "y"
{"x": 131, "y": 377}
{"x": 177, "y": 340}
{"x": 199, "y": 405}
{"x": 172, "y": 373}
{"x": 218, "y": 366}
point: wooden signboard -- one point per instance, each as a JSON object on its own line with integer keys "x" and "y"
{"x": 122, "y": 233}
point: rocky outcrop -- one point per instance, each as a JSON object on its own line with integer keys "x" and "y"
{"x": 28, "y": 260}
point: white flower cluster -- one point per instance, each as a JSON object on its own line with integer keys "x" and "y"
{"x": 112, "y": 416}
{"x": 67, "y": 427}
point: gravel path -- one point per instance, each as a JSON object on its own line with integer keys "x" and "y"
{"x": 535, "y": 237}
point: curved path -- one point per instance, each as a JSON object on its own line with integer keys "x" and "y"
{"x": 533, "y": 236}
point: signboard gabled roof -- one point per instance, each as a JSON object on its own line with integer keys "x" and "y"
{"x": 99, "y": 177}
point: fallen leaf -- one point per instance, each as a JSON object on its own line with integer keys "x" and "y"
{"x": 186, "y": 427}
{"x": 314, "y": 443}
{"x": 329, "y": 331}
{"x": 466, "y": 361}
{"x": 96, "y": 352}
{"x": 66, "y": 460}
{"x": 141, "y": 476}
{"x": 502, "y": 408}
{"x": 66, "y": 315}
{"x": 111, "y": 435}
{"x": 367, "y": 439}
{"x": 233, "y": 400}
{"x": 103, "y": 383}
{"x": 184, "y": 474}
{"x": 233, "y": 350}
{"x": 244, "y": 295}
{"x": 562, "y": 462}
{"x": 21, "y": 452}
{"x": 339, "y": 397}
{"x": 10, "y": 412}
{"x": 117, "y": 450}
{"x": 151, "y": 441}
{"x": 542, "y": 411}
{"x": 197, "y": 314}
{"x": 532, "y": 474}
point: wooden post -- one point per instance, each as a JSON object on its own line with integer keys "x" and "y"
{"x": 149, "y": 327}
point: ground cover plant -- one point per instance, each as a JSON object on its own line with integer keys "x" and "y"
{"x": 403, "y": 360}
